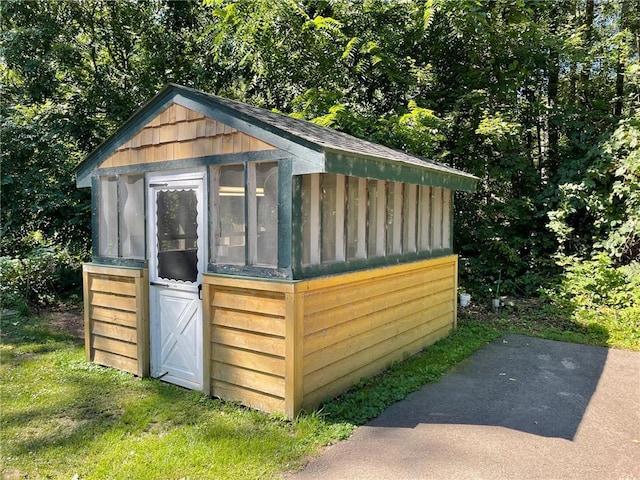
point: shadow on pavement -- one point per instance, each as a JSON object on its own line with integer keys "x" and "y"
{"x": 536, "y": 386}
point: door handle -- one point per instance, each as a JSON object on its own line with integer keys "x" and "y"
{"x": 200, "y": 292}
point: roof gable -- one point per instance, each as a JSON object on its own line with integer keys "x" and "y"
{"x": 180, "y": 123}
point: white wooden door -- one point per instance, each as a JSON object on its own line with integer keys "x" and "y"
{"x": 176, "y": 233}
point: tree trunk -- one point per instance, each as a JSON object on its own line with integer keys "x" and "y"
{"x": 588, "y": 24}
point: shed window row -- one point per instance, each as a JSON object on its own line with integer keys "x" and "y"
{"x": 244, "y": 214}
{"x": 351, "y": 218}
{"x": 121, "y": 217}
{"x": 343, "y": 218}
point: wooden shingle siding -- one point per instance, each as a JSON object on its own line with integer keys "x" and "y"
{"x": 116, "y": 319}
{"x": 247, "y": 342}
{"x": 180, "y": 133}
{"x": 282, "y": 346}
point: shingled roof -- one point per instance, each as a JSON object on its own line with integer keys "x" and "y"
{"x": 337, "y": 148}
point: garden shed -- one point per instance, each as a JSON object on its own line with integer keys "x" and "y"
{"x": 260, "y": 258}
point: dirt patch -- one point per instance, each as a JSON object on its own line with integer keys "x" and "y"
{"x": 69, "y": 321}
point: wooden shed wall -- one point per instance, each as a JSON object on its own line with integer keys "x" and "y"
{"x": 356, "y": 324}
{"x": 279, "y": 346}
{"x": 179, "y": 133}
{"x": 246, "y": 326}
{"x": 116, "y": 317}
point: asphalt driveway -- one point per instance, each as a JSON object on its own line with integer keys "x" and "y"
{"x": 520, "y": 408}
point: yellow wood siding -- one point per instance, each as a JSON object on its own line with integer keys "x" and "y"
{"x": 356, "y": 324}
{"x": 116, "y": 318}
{"x": 279, "y": 346}
{"x": 247, "y": 341}
{"x": 179, "y": 133}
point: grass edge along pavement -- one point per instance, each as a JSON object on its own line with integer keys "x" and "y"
{"x": 62, "y": 416}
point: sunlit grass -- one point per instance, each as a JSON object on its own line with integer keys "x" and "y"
{"x": 63, "y": 417}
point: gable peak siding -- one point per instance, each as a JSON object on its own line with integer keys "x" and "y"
{"x": 179, "y": 133}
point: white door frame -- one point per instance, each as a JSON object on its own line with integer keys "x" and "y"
{"x": 168, "y": 291}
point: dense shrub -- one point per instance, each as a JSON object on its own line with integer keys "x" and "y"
{"x": 47, "y": 275}
{"x": 599, "y": 295}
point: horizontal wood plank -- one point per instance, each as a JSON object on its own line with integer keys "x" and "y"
{"x": 248, "y": 360}
{"x": 348, "y": 278}
{"x": 345, "y": 313}
{"x": 109, "y": 284}
{"x": 116, "y": 361}
{"x": 92, "y": 268}
{"x": 260, "y": 382}
{"x": 248, "y": 341}
{"x": 257, "y": 302}
{"x": 117, "y": 332}
{"x": 335, "y": 388}
{"x": 117, "y": 347}
{"x": 335, "y": 378}
{"x": 377, "y": 324}
{"x": 117, "y": 302}
{"x": 250, "y": 398}
{"x": 249, "y": 321}
{"x": 347, "y": 294}
{"x": 118, "y": 317}
{"x": 248, "y": 284}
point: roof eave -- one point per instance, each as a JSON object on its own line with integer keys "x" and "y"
{"x": 354, "y": 164}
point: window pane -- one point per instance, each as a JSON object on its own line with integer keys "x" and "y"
{"x": 108, "y": 217}
{"x": 394, "y": 218}
{"x": 177, "y": 220}
{"x": 436, "y": 219}
{"x": 229, "y": 215}
{"x": 267, "y": 208}
{"x": 311, "y": 219}
{"x": 446, "y": 218}
{"x": 409, "y": 218}
{"x": 356, "y": 217}
{"x": 132, "y": 242}
{"x": 376, "y": 218}
{"x": 424, "y": 219}
{"x": 328, "y": 218}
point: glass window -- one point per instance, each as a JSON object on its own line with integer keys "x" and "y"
{"x": 409, "y": 218}
{"x": 436, "y": 218}
{"x": 311, "y": 219}
{"x": 177, "y": 217}
{"x": 228, "y": 214}
{"x": 266, "y": 198}
{"x": 132, "y": 225}
{"x": 356, "y": 217}
{"x": 108, "y": 217}
{"x": 376, "y": 218}
{"x": 446, "y": 218}
{"x": 394, "y": 218}
{"x": 424, "y": 218}
{"x": 328, "y": 210}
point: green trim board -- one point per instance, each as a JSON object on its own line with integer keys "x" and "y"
{"x": 95, "y": 214}
{"x": 119, "y": 262}
{"x": 313, "y": 271}
{"x": 194, "y": 162}
{"x": 361, "y": 166}
{"x": 250, "y": 271}
{"x": 285, "y": 197}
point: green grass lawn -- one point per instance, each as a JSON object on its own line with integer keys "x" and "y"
{"x": 63, "y": 417}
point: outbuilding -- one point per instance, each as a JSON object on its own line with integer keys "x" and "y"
{"x": 260, "y": 258}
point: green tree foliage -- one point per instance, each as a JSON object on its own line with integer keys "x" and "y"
{"x": 538, "y": 99}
